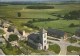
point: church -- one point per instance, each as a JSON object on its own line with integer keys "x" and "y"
{"x": 38, "y": 40}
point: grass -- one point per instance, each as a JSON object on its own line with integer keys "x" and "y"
{"x": 11, "y": 11}
{"x": 1, "y": 31}
{"x": 59, "y": 24}
{"x": 55, "y": 48}
{"x": 72, "y": 40}
{"x": 12, "y": 51}
{"x": 18, "y": 23}
{"x": 73, "y": 48}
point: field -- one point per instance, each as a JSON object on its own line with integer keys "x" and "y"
{"x": 10, "y": 13}
{"x": 59, "y": 24}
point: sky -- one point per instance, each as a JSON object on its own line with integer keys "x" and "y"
{"x": 34, "y": 0}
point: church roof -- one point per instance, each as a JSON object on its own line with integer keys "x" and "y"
{"x": 34, "y": 37}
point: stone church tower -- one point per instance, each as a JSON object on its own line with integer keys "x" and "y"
{"x": 43, "y": 37}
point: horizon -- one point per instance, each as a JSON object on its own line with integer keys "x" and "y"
{"x": 36, "y": 0}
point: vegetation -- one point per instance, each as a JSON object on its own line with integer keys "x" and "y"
{"x": 72, "y": 15}
{"x": 73, "y": 48}
{"x": 40, "y": 7}
{"x": 13, "y": 37}
{"x": 55, "y": 48}
{"x": 29, "y": 49}
{"x": 19, "y": 14}
{"x": 10, "y": 50}
{"x": 1, "y": 31}
{"x": 59, "y": 24}
{"x": 72, "y": 40}
{"x": 9, "y": 12}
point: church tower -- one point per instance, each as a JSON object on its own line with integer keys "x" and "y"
{"x": 43, "y": 37}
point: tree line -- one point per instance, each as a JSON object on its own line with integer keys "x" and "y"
{"x": 40, "y": 7}
{"x": 72, "y": 15}
{"x": 30, "y": 23}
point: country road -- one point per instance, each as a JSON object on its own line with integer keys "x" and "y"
{"x": 63, "y": 45}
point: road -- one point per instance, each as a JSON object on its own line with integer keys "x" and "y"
{"x": 1, "y": 52}
{"x": 63, "y": 45}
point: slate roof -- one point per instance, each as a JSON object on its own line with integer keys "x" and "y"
{"x": 34, "y": 37}
{"x": 55, "y": 32}
{"x": 77, "y": 32}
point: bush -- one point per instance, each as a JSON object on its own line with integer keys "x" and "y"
{"x": 13, "y": 37}
{"x": 19, "y": 14}
{"x": 71, "y": 25}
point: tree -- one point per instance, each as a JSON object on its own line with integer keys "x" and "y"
{"x": 66, "y": 16}
{"x": 71, "y": 25}
{"x": 19, "y": 14}
{"x": 13, "y": 37}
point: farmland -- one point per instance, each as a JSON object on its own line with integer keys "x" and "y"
{"x": 9, "y": 12}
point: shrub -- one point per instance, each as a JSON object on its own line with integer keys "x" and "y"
{"x": 12, "y": 37}
{"x": 71, "y": 25}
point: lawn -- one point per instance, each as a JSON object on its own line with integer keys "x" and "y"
{"x": 55, "y": 48}
{"x": 73, "y": 48}
{"x": 59, "y": 24}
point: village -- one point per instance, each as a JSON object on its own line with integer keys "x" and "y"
{"x": 42, "y": 40}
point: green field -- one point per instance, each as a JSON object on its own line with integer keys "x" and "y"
{"x": 10, "y": 13}
{"x": 59, "y": 24}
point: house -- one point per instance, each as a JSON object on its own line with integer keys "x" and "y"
{"x": 2, "y": 40}
{"x": 56, "y": 33}
{"x": 77, "y": 32}
{"x": 11, "y": 29}
{"x": 38, "y": 40}
{"x": 14, "y": 43}
{"x": 5, "y": 23}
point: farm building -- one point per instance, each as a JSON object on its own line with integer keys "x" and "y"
{"x": 56, "y": 33}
